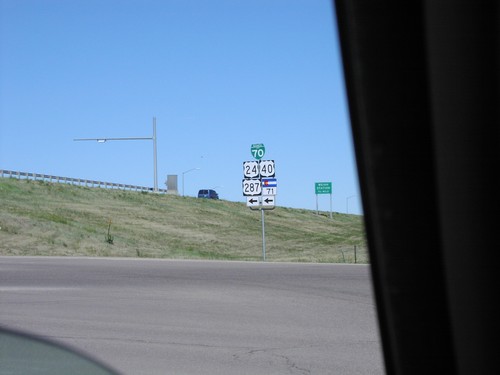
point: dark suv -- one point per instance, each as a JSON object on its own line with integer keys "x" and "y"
{"x": 208, "y": 193}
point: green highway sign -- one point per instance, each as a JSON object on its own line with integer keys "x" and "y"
{"x": 258, "y": 150}
{"x": 323, "y": 187}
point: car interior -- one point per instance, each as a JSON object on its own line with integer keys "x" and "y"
{"x": 422, "y": 82}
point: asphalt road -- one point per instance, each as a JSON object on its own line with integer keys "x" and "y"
{"x": 196, "y": 317}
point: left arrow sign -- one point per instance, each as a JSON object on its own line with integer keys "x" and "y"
{"x": 253, "y": 201}
{"x": 269, "y": 200}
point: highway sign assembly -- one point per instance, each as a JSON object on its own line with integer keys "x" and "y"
{"x": 254, "y": 186}
{"x": 259, "y": 186}
{"x": 258, "y": 179}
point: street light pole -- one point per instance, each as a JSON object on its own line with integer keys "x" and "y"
{"x": 155, "y": 166}
{"x": 347, "y": 203}
{"x": 183, "y": 173}
{"x": 153, "y": 138}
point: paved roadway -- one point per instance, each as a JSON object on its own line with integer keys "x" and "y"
{"x": 198, "y": 317}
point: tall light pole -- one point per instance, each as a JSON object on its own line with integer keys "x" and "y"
{"x": 153, "y": 138}
{"x": 183, "y": 173}
{"x": 347, "y": 203}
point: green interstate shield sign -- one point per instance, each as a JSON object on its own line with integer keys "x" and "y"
{"x": 323, "y": 187}
{"x": 258, "y": 150}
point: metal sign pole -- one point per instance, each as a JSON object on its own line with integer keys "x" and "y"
{"x": 263, "y": 236}
{"x": 263, "y": 225}
{"x": 330, "y": 205}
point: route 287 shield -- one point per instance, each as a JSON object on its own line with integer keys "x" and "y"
{"x": 251, "y": 187}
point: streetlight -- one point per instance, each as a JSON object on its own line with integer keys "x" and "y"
{"x": 347, "y": 203}
{"x": 153, "y": 138}
{"x": 183, "y": 173}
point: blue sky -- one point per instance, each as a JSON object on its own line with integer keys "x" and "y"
{"x": 218, "y": 76}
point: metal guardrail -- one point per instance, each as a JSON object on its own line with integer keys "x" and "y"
{"x": 75, "y": 181}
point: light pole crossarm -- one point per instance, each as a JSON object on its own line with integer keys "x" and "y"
{"x": 153, "y": 138}
{"x": 115, "y": 139}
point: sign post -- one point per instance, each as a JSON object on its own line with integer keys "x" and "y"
{"x": 323, "y": 188}
{"x": 259, "y": 186}
{"x": 263, "y": 235}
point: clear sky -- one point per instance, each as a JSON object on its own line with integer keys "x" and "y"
{"x": 218, "y": 76}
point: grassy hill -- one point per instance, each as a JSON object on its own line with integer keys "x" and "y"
{"x": 41, "y": 218}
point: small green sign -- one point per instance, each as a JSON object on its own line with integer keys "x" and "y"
{"x": 323, "y": 187}
{"x": 258, "y": 150}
